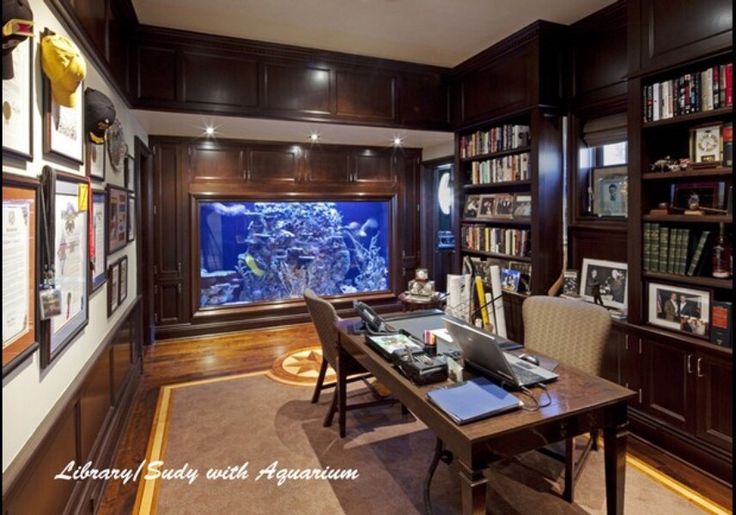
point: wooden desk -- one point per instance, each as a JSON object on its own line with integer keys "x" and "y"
{"x": 580, "y": 403}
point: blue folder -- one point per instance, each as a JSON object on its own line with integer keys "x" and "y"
{"x": 472, "y": 400}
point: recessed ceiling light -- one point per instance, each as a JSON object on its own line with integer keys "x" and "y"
{"x": 314, "y": 137}
{"x": 398, "y": 141}
{"x": 209, "y": 131}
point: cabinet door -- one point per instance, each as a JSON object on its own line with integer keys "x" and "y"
{"x": 613, "y": 353}
{"x": 714, "y": 379}
{"x": 630, "y": 366}
{"x": 666, "y": 382}
{"x": 169, "y": 302}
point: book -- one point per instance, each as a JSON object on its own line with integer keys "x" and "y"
{"x": 720, "y": 323}
{"x": 697, "y": 255}
{"x": 683, "y": 251}
{"x": 654, "y": 251}
{"x": 728, "y": 144}
{"x": 473, "y": 400}
{"x": 664, "y": 239}
{"x": 672, "y": 245}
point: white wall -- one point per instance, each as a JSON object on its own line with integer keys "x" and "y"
{"x": 437, "y": 151}
{"x": 28, "y": 392}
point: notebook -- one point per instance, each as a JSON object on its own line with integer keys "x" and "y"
{"x": 473, "y": 400}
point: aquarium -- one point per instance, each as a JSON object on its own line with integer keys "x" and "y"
{"x": 268, "y": 251}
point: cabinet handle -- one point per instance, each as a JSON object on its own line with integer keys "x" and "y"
{"x": 626, "y": 345}
{"x": 178, "y": 267}
{"x": 698, "y": 366}
{"x": 639, "y": 395}
{"x": 639, "y": 345}
{"x": 689, "y": 364}
{"x": 178, "y": 288}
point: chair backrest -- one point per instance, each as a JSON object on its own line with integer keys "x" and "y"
{"x": 324, "y": 317}
{"x": 571, "y": 331}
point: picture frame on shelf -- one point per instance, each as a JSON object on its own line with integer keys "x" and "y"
{"x": 606, "y": 281}
{"x": 132, "y": 228}
{"x": 510, "y": 280}
{"x": 522, "y": 206}
{"x": 18, "y": 104}
{"x": 117, "y": 218}
{"x": 706, "y": 145}
{"x": 98, "y": 261}
{"x": 21, "y": 269}
{"x": 503, "y": 206}
{"x": 63, "y": 128}
{"x": 123, "y": 282}
{"x": 571, "y": 283}
{"x": 525, "y": 279}
{"x": 472, "y": 206}
{"x": 113, "y": 288}
{"x": 130, "y": 173}
{"x": 684, "y": 310}
{"x": 68, "y": 229}
{"x": 95, "y": 161}
{"x": 486, "y": 206}
{"x": 699, "y": 197}
{"x": 610, "y": 191}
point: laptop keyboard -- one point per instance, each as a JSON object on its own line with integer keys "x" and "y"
{"x": 525, "y": 376}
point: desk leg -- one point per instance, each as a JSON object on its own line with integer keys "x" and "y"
{"x": 473, "y": 488}
{"x": 614, "y": 442}
{"x": 341, "y": 390}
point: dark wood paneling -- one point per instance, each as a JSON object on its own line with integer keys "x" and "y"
{"x": 169, "y": 302}
{"x": 121, "y": 355}
{"x": 166, "y": 220}
{"x": 595, "y": 243}
{"x": 300, "y": 88}
{"x": 118, "y": 30}
{"x": 94, "y": 403}
{"x": 365, "y": 95}
{"x": 219, "y": 79}
{"x": 423, "y": 99}
{"x": 666, "y": 390}
{"x": 92, "y": 16}
{"x": 157, "y": 77}
{"x": 210, "y": 163}
{"x": 372, "y": 166}
{"x": 273, "y": 165}
{"x": 327, "y": 166}
{"x": 714, "y": 419}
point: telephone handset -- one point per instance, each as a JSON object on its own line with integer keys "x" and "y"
{"x": 372, "y": 320}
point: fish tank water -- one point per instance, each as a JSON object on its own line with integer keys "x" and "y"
{"x": 252, "y": 252}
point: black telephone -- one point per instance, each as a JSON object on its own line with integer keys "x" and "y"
{"x": 372, "y": 321}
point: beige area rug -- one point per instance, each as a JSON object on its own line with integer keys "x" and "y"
{"x": 231, "y": 421}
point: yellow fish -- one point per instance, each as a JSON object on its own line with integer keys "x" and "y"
{"x": 251, "y": 262}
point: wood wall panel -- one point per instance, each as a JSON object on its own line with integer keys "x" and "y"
{"x": 372, "y": 166}
{"x": 157, "y": 77}
{"x": 219, "y": 79}
{"x": 92, "y": 16}
{"x": 121, "y": 356}
{"x": 594, "y": 243}
{"x": 169, "y": 301}
{"x": 327, "y": 166}
{"x": 95, "y": 402}
{"x": 304, "y": 89}
{"x": 166, "y": 221}
{"x": 423, "y": 99}
{"x": 273, "y": 165}
{"x": 365, "y": 95}
{"x": 117, "y": 45}
{"x": 208, "y": 163}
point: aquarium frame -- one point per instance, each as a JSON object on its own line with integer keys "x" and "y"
{"x": 200, "y": 313}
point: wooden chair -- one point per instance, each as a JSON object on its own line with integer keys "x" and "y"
{"x": 575, "y": 333}
{"x": 347, "y": 369}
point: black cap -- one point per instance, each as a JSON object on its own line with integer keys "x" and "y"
{"x": 99, "y": 114}
{"x": 17, "y": 26}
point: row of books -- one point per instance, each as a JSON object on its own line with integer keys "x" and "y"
{"x": 497, "y": 139}
{"x": 510, "y": 242}
{"x": 691, "y": 93}
{"x": 673, "y": 250}
{"x": 501, "y": 169}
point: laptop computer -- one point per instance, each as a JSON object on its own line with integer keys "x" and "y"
{"x": 482, "y": 352}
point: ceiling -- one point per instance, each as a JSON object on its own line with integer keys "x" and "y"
{"x": 438, "y": 32}
{"x": 193, "y": 126}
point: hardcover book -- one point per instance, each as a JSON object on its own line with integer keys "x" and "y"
{"x": 720, "y": 332}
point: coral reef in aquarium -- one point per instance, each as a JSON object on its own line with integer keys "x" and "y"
{"x": 267, "y": 251}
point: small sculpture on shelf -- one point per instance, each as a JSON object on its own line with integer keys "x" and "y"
{"x": 663, "y": 208}
{"x": 421, "y": 286}
{"x": 667, "y": 164}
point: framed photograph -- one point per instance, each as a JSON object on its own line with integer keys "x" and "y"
{"x": 95, "y": 161}
{"x": 113, "y": 288}
{"x": 706, "y": 145}
{"x": 605, "y": 283}
{"x": 98, "y": 259}
{"x": 522, "y": 205}
{"x": 679, "y": 309}
{"x": 18, "y": 104}
{"x": 610, "y": 191}
{"x": 503, "y": 206}
{"x": 63, "y": 128}
{"x": 117, "y": 218}
{"x": 570, "y": 286}
{"x": 130, "y": 174}
{"x": 472, "y": 206}
{"x": 123, "y": 284}
{"x": 68, "y": 227}
{"x": 525, "y": 271}
{"x": 132, "y": 228}
{"x": 486, "y": 206}
{"x": 21, "y": 268}
{"x": 695, "y": 196}
{"x": 510, "y": 279}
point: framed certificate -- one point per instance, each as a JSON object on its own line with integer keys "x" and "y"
{"x": 113, "y": 288}
{"x": 63, "y": 128}
{"x": 18, "y": 104}
{"x": 117, "y": 218}
{"x": 95, "y": 161}
{"x": 67, "y": 208}
{"x": 98, "y": 258}
{"x": 20, "y": 270}
{"x": 123, "y": 285}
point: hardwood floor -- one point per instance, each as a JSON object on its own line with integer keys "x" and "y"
{"x": 174, "y": 361}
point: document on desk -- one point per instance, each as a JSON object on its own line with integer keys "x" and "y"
{"x": 473, "y": 400}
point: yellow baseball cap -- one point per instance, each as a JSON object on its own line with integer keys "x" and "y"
{"x": 63, "y": 64}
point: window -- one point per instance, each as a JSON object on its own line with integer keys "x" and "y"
{"x": 613, "y": 154}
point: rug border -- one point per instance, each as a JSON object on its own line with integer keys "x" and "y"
{"x": 147, "y": 493}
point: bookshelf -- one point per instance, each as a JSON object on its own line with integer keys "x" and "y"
{"x": 519, "y": 157}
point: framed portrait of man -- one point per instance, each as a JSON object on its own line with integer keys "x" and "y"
{"x": 679, "y": 309}
{"x": 605, "y": 283}
{"x": 610, "y": 191}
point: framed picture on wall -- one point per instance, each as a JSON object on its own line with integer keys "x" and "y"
{"x": 95, "y": 161}
{"x": 117, "y": 218}
{"x": 680, "y": 309}
{"x": 98, "y": 260}
{"x": 67, "y": 210}
{"x": 113, "y": 288}
{"x": 18, "y": 104}
{"x": 131, "y": 218}
{"x": 130, "y": 174}
{"x": 610, "y": 191}
{"x": 123, "y": 284}
{"x": 21, "y": 268}
{"x": 63, "y": 128}
{"x": 605, "y": 283}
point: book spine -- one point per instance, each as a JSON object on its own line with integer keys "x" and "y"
{"x": 647, "y": 247}
{"x": 721, "y": 315}
{"x": 655, "y": 103}
{"x": 729, "y": 84}
{"x": 664, "y": 238}
{"x": 698, "y": 253}
{"x": 716, "y": 87}
{"x": 674, "y": 234}
{"x": 654, "y": 252}
{"x": 728, "y": 144}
